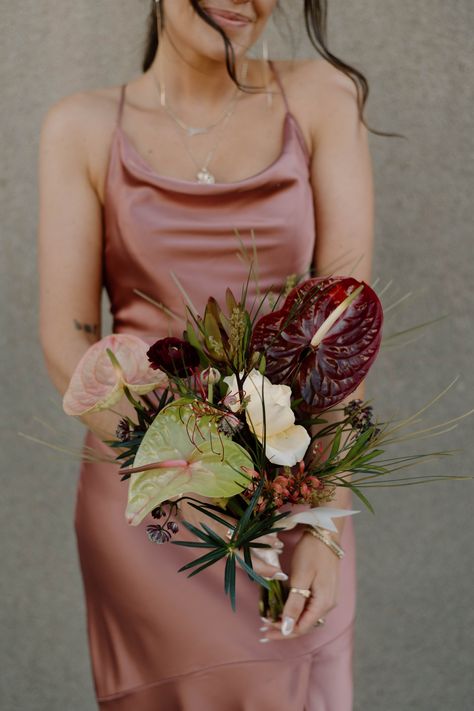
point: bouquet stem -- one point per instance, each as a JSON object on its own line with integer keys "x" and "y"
{"x": 272, "y": 600}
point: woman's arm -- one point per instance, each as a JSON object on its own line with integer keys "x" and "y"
{"x": 341, "y": 176}
{"x": 70, "y": 247}
{"x": 342, "y": 182}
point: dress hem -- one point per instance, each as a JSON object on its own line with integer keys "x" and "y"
{"x": 196, "y": 672}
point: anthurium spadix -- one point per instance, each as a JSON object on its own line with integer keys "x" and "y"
{"x": 115, "y": 362}
{"x": 268, "y": 412}
{"x": 183, "y": 452}
{"x": 323, "y": 340}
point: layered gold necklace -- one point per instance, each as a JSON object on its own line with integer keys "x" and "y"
{"x": 203, "y": 174}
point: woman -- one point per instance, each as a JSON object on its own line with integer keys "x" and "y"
{"x": 131, "y": 193}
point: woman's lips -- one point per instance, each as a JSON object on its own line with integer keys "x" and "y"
{"x": 227, "y": 19}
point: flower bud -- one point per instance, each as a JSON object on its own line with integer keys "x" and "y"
{"x": 157, "y": 534}
{"x": 210, "y": 376}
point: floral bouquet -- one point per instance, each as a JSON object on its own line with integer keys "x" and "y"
{"x": 234, "y": 412}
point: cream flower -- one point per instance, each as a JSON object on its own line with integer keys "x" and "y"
{"x": 285, "y": 442}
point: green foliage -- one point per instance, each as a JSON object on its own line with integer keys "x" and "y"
{"x": 247, "y": 530}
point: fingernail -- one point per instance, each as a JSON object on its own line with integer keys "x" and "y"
{"x": 264, "y": 628}
{"x": 287, "y": 625}
{"x": 264, "y": 619}
{"x": 280, "y": 576}
{"x": 279, "y": 544}
{"x": 264, "y": 639}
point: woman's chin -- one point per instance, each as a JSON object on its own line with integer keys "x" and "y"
{"x": 215, "y": 51}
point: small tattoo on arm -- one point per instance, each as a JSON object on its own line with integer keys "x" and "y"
{"x": 91, "y": 328}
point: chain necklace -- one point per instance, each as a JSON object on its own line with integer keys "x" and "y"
{"x": 190, "y": 130}
{"x": 203, "y": 174}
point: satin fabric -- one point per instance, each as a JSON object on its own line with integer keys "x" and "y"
{"x": 158, "y": 640}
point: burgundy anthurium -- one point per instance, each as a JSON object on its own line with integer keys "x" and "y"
{"x": 323, "y": 340}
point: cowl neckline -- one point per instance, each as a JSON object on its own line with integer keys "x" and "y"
{"x": 293, "y": 138}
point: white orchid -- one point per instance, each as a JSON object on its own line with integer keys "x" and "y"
{"x": 285, "y": 442}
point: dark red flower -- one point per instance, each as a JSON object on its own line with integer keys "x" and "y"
{"x": 321, "y": 371}
{"x": 174, "y": 356}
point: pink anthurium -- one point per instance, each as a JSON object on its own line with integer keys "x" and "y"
{"x": 323, "y": 340}
{"x": 115, "y": 362}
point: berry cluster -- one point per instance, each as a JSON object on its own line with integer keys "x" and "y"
{"x": 289, "y": 487}
{"x": 361, "y": 417}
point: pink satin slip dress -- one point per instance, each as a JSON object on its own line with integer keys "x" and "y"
{"x": 158, "y": 640}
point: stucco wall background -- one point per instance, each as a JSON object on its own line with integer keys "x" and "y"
{"x": 414, "y": 634}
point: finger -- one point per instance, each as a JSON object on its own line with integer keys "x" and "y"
{"x": 294, "y": 606}
{"x": 292, "y": 610}
{"x": 265, "y": 561}
{"x": 272, "y": 539}
{"x": 313, "y": 611}
{"x": 268, "y": 555}
{"x": 272, "y": 631}
{"x": 268, "y": 571}
{"x": 318, "y": 607}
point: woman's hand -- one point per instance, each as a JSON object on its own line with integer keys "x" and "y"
{"x": 315, "y": 567}
{"x": 264, "y": 560}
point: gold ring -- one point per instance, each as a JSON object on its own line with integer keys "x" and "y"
{"x": 319, "y": 622}
{"x": 302, "y": 591}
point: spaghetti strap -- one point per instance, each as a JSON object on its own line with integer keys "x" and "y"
{"x": 280, "y": 83}
{"x": 121, "y": 102}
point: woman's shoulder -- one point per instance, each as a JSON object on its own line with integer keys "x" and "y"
{"x": 83, "y": 111}
{"x": 308, "y": 77}
{"x": 82, "y": 123}
{"x": 316, "y": 91}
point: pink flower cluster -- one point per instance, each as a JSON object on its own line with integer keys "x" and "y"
{"x": 294, "y": 487}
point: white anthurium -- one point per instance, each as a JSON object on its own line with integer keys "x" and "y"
{"x": 318, "y": 517}
{"x": 285, "y": 442}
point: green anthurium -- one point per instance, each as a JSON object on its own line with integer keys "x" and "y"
{"x": 183, "y": 452}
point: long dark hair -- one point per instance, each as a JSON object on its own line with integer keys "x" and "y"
{"x": 315, "y": 16}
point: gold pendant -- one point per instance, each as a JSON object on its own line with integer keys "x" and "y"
{"x": 190, "y": 131}
{"x": 204, "y": 176}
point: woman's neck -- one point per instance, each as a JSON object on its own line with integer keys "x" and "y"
{"x": 194, "y": 79}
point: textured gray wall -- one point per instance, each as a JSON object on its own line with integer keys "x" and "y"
{"x": 414, "y": 643}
